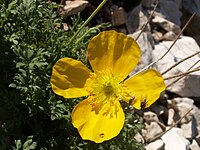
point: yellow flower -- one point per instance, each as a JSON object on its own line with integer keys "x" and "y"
{"x": 112, "y": 56}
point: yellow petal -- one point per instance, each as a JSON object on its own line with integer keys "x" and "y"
{"x": 69, "y": 77}
{"x": 115, "y": 52}
{"x": 97, "y": 127}
{"x": 145, "y": 88}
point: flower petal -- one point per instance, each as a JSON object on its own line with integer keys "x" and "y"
{"x": 145, "y": 87}
{"x": 97, "y": 127}
{"x": 113, "y": 51}
{"x": 69, "y": 77}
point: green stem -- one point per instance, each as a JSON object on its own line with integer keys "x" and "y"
{"x": 88, "y": 20}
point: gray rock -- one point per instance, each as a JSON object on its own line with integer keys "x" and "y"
{"x": 188, "y": 8}
{"x": 156, "y": 145}
{"x": 170, "y": 10}
{"x": 174, "y": 140}
{"x": 136, "y": 19}
{"x": 184, "y": 47}
{"x": 148, "y": 3}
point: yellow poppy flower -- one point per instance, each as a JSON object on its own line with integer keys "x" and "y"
{"x": 112, "y": 57}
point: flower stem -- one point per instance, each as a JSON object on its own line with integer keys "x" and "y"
{"x": 88, "y": 20}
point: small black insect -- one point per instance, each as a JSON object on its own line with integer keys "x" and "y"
{"x": 101, "y": 135}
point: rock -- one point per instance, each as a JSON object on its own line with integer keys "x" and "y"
{"x": 182, "y": 109}
{"x": 196, "y": 114}
{"x": 136, "y": 19}
{"x": 174, "y": 140}
{"x": 169, "y": 36}
{"x": 170, "y": 10}
{"x": 73, "y": 7}
{"x": 158, "y": 36}
{"x": 170, "y": 120}
{"x": 118, "y": 16}
{"x": 184, "y": 47}
{"x": 192, "y": 6}
{"x": 189, "y": 130}
{"x": 184, "y": 100}
{"x": 152, "y": 130}
{"x": 138, "y": 137}
{"x": 148, "y": 3}
{"x": 188, "y": 8}
{"x": 145, "y": 41}
{"x": 150, "y": 117}
{"x": 156, "y": 145}
{"x": 166, "y": 25}
{"x": 194, "y": 145}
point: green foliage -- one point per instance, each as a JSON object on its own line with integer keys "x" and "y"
{"x": 31, "y": 115}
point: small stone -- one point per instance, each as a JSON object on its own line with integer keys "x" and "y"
{"x": 158, "y": 36}
{"x": 156, "y": 145}
{"x": 182, "y": 109}
{"x": 73, "y": 7}
{"x": 166, "y": 25}
{"x": 152, "y": 130}
{"x": 118, "y": 16}
{"x": 169, "y": 36}
{"x": 174, "y": 140}
{"x": 150, "y": 117}
{"x": 194, "y": 145}
{"x": 170, "y": 120}
{"x": 189, "y": 130}
{"x": 138, "y": 137}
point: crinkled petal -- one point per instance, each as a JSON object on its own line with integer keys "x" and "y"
{"x": 145, "y": 88}
{"x": 97, "y": 127}
{"x": 69, "y": 78}
{"x": 115, "y": 52}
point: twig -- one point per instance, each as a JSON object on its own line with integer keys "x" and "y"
{"x": 169, "y": 47}
{"x": 155, "y": 138}
{"x": 182, "y": 74}
{"x": 170, "y": 68}
{"x": 144, "y": 26}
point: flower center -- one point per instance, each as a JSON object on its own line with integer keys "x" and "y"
{"x": 108, "y": 89}
{"x": 105, "y": 87}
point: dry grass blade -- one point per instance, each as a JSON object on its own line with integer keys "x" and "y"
{"x": 173, "y": 66}
{"x": 182, "y": 76}
{"x": 145, "y": 68}
{"x": 143, "y": 27}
